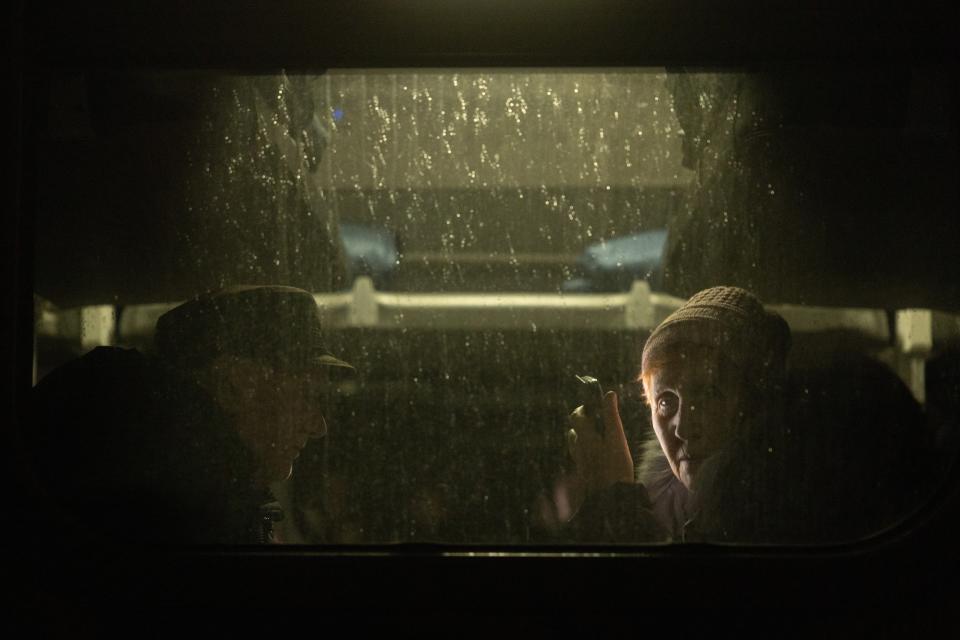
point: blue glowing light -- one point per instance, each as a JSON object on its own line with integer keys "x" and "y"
{"x": 338, "y": 114}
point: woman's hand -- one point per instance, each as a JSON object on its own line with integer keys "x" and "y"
{"x": 601, "y": 459}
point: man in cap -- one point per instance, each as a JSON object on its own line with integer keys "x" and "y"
{"x": 180, "y": 446}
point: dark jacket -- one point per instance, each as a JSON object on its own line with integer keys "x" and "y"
{"x": 128, "y": 450}
{"x": 620, "y": 514}
{"x": 746, "y": 496}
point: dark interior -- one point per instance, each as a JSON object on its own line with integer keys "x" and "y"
{"x": 848, "y": 113}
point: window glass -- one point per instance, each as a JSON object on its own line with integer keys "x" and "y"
{"x": 480, "y": 243}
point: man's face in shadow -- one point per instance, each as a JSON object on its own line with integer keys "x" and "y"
{"x": 697, "y": 405}
{"x": 275, "y": 412}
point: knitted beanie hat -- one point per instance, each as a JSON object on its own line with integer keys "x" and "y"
{"x": 729, "y": 318}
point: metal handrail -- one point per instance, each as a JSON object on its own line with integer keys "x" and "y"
{"x": 909, "y": 337}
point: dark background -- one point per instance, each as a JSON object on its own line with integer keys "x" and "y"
{"x": 902, "y": 582}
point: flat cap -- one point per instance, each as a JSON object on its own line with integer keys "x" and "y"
{"x": 274, "y": 324}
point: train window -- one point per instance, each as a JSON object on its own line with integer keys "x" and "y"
{"x": 480, "y": 244}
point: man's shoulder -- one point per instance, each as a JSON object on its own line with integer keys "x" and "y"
{"x": 102, "y": 376}
{"x": 99, "y": 361}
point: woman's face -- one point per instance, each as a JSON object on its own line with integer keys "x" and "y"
{"x": 697, "y": 402}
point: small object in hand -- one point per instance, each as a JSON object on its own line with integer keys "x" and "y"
{"x": 590, "y": 394}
